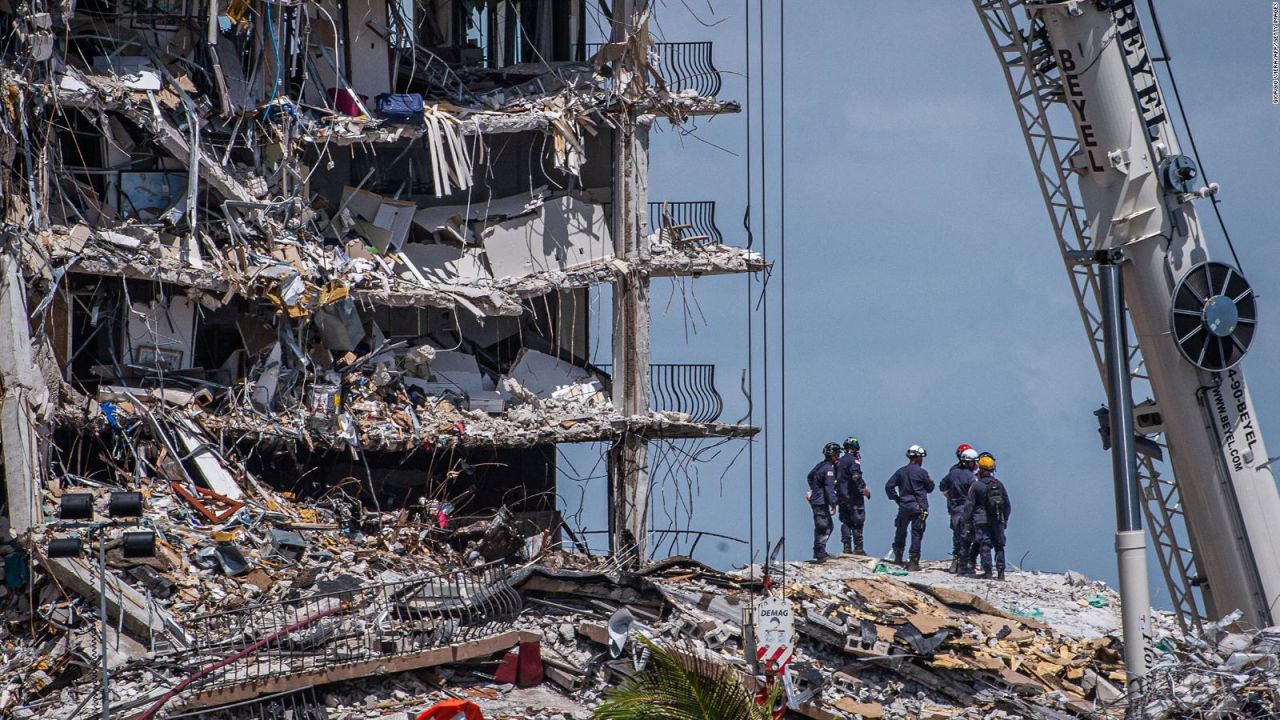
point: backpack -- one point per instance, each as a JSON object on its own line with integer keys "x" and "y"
{"x": 997, "y": 503}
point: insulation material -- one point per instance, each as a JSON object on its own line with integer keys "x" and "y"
{"x": 452, "y": 222}
{"x": 340, "y": 326}
{"x": 445, "y": 263}
{"x": 206, "y": 461}
{"x": 549, "y": 377}
{"x": 459, "y": 373}
{"x": 160, "y": 335}
{"x": 370, "y": 68}
{"x": 564, "y": 233}
{"x": 391, "y": 218}
{"x": 135, "y": 73}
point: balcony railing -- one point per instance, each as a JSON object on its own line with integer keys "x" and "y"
{"x": 682, "y": 65}
{"x": 304, "y": 704}
{"x": 365, "y": 623}
{"x": 685, "y": 223}
{"x": 684, "y": 388}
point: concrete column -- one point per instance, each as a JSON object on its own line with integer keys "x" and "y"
{"x": 629, "y": 457}
{"x": 24, "y": 393}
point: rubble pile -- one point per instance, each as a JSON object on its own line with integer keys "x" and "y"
{"x": 1226, "y": 673}
{"x": 871, "y": 644}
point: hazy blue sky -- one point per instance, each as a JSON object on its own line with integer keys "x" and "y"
{"x": 925, "y": 298}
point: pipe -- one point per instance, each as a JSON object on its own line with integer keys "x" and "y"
{"x": 239, "y": 655}
{"x": 1131, "y": 544}
{"x": 102, "y": 608}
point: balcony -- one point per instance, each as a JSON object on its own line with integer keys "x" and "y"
{"x": 684, "y": 224}
{"x": 682, "y": 65}
{"x": 688, "y": 388}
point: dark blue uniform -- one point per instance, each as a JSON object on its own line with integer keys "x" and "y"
{"x": 849, "y": 487}
{"x": 909, "y": 487}
{"x": 822, "y": 495}
{"x": 988, "y": 524}
{"x": 956, "y": 486}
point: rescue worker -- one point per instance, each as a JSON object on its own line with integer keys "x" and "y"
{"x": 955, "y": 487}
{"x": 851, "y": 491}
{"x": 822, "y": 498}
{"x": 988, "y": 508}
{"x": 971, "y": 561}
{"x": 910, "y": 487}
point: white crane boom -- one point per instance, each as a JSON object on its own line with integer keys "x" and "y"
{"x": 1193, "y": 319}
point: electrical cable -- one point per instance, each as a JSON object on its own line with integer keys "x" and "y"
{"x": 1167, "y": 58}
{"x": 275, "y": 50}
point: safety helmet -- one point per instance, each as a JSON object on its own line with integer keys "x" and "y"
{"x": 851, "y": 444}
{"x": 962, "y": 447}
{"x": 916, "y": 451}
{"x": 969, "y": 455}
{"x": 987, "y": 462}
{"x": 831, "y": 449}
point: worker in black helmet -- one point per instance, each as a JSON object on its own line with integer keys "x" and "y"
{"x": 988, "y": 508}
{"x": 822, "y": 498}
{"x": 851, "y": 491}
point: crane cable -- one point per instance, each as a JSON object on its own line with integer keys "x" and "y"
{"x": 1167, "y": 58}
{"x": 764, "y": 252}
{"x": 751, "y": 373}
{"x": 782, "y": 262}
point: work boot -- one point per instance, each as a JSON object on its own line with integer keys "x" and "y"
{"x": 913, "y": 563}
{"x": 897, "y": 556}
{"x": 848, "y": 548}
{"x": 954, "y": 567}
{"x": 1000, "y": 574}
{"x": 986, "y": 574}
{"x": 858, "y": 549}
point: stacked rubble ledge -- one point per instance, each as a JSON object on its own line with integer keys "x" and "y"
{"x": 531, "y": 638}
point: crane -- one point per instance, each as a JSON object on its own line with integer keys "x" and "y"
{"x": 1118, "y": 186}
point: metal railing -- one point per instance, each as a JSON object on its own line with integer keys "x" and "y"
{"x": 682, "y": 65}
{"x": 688, "y": 388}
{"x": 350, "y": 625}
{"x": 686, "y": 223}
{"x": 304, "y": 704}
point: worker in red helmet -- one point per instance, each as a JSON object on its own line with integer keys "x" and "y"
{"x": 955, "y": 487}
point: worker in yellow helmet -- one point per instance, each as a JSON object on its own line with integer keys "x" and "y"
{"x": 988, "y": 508}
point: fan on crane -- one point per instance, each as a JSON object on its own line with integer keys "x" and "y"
{"x": 1214, "y": 316}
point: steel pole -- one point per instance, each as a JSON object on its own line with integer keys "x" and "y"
{"x": 1131, "y": 543}
{"x": 102, "y": 609}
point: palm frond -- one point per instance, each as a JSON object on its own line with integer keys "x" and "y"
{"x": 680, "y": 684}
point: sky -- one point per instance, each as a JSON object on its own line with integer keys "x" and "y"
{"x": 925, "y": 299}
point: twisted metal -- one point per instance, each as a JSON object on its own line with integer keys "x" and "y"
{"x": 381, "y": 621}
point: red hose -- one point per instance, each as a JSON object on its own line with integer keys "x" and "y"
{"x": 249, "y": 650}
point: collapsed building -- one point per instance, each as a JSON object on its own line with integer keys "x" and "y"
{"x": 307, "y": 284}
